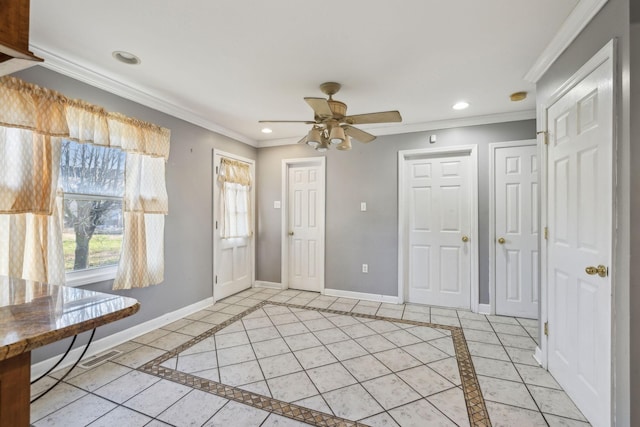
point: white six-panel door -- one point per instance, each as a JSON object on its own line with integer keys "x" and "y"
{"x": 439, "y": 230}
{"x": 305, "y": 228}
{"x": 580, "y": 200}
{"x": 233, "y": 258}
{"x": 516, "y": 230}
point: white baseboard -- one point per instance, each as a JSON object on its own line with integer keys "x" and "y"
{"x": 484, "y": 308}
{"x": 118, "y": 338}
{"x": 269, "y": 285}
{"x": 361, "y": 295}
{"x": 538, "y": 356}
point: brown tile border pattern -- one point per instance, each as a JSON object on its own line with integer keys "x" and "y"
{"x": 478, "y": 415}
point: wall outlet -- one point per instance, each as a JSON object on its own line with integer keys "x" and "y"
{"x": 365, "y": 268}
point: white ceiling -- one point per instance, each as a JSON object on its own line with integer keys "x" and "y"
{"x": 225, "y": 64}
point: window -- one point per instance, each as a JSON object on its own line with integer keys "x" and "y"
{"x": 235, "y": 177}
{"x": 92, "y": 180}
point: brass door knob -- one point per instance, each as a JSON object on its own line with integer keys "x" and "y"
{"x": 465, "y": 239}
{"x": 291, "y": 233}
{"x": 600, "y": 270}
{"x": 501, "y": 240}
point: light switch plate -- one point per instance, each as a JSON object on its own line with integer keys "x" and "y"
{"x": 363, "y": 206}
{"x": 276, "y": 204}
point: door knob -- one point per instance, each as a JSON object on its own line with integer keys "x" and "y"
{"x": 501, "y": 240}
{"x": 465, "y": 239}
{"x": 291, "y": 233}
{"x": 600, "y": 270}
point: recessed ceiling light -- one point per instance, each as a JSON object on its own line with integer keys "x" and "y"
{"x": 460, "y": 105}
{"x": 266, "y": 130}
{"x": 125, "y": 57}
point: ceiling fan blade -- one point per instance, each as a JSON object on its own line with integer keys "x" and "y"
{"x": 381, "y": 117}
{"x": 320, "y": 107}
{"x": 287, "y": 121}
{"x": 303, "y": 140}
{"x": 358, "y": 134}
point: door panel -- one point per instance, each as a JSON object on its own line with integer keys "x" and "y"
{"x": 439, "y": 198}
{"x": 233, "y": 259}
{"x": 516, "y": 263}
{"x": 580, "y": 235}
{"x": 305, "y": 228}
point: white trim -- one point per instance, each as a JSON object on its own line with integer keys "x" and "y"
{"x": 90, "y": 275}
{"x": 403, "y": 156}
{"x": 390, "y": 299}
{"x": 492, "y": 214}
{"x": 423, "y": 127}
{"x": 577, "y": 20}
{"x": 142, "y": 96}
{"x": 118, "y": 338}
{"x": 214, "y": 193}
{"x": 268, "y": 285}
{"x": 484, "y": 309}
{"x": 539, "y": 356}
{"x": 286, "y": 165}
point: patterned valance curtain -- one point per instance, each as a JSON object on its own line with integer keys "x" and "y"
{"x": 32, "y": 122}
{"x": 235, "y": 203}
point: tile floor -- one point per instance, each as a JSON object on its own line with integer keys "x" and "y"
{"x": 379, "y": 373}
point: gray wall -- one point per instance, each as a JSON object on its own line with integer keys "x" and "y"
{"x": 369, "y": 173}
{"x": 613, "y": 21}
{"x": 635, "y": 214}
{"x": 188, "y": 227}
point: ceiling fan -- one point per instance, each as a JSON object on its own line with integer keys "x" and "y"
{"x": 332, "y": 126}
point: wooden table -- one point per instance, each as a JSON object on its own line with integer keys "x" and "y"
{"x": 35, "y": 314}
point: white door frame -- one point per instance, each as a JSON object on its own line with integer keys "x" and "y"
{"x": 403, "y": 157}
{"x": 607, "y": 53}
{"x": 492, "y": 214}
{"x": 216, "y": 196}
{"x": 284, "y": 229}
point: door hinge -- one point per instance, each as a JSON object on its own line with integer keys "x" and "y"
{"x": 215, "y": 279}
{"x": 546, "y": 328}
{"x": 216, "y": 170}
{"x": 545, "y": 136}
{"x": 546, "y": 233}
{"x": 216, "y": 225}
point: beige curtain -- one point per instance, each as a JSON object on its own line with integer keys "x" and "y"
{"x": 235, "y": 203}
{"x": 32, "y": 122}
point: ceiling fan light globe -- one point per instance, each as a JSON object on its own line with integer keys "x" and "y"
{"x": 337, "y": 136}
{"x": 323, "y": 146}
{"x": 314, "y": 138}
{"x": 346, "y": 145}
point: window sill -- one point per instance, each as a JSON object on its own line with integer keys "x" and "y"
{"x": 91, "y": 275}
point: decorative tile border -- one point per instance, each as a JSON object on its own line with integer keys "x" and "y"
{"x": 476, "y": 409}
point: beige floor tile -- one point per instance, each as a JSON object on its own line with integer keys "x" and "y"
{"x": 425, "y": 352}
{"x": 99, "y": 376}
{"x": 491, "y": 351}
{"x": 380, "y": 420}
{"x": 302, "y": 341}
{"x": 85, "y": 410}
{"x": 366, "y": 367}
{"x": 157, "y": 398}
{"x": 451, "y": 403}
{"x": 344, "y": 350}
{"x": 237, "y": 414}
{"x": 556, "y": 421}
{"x": 397, "y": 359}
{"x": 194, "y": 409}
{"x": 314, "y": 357}
{"x": 259, "y": 387}
{"x": 122, "y": 416}
{"x": 390, "y": 391}
{"x": 536, "y": 375}
{"x": 448, "y": 368}
{"x": 276, "y": 366}
{"x": 61, "y": 396}
{"x": 425, "y": 380}
{"x": 419, "y": 414}
{"x": 495, "y": 368}
{"x": 127, "y": 386}
{"x": 506, "y": 416}
{"x": 330, "y": 377}
{"x": 139, "y": 356}
{"x": 555, "y": 402}
{"x": 317, "y": 403}
{"x": 275, "y": 420}
{"x": 507, "y": 392}
{"x": 292, "y": 387}
{"x": 233, "y": 355}
{"x": 375, "y": 343}
{"x": 352, "y": 402}
{"x": 241, "y": 373}
{"x": 270, "y": 348}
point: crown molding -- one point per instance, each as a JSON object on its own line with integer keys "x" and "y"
{"x": 79, "y": 72}
{"x": 579, "y": 17}
{"x": 425, "y": 126}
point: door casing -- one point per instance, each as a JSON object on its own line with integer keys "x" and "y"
{"x": 492, "y": 215}
{"x": 287, "y": 165}
{"x": 462, "y": 150}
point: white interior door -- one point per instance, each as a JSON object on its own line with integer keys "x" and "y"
{"x": 233, "y": 257}
{"x": 516, "y": 230}
{"x": 580, "y": 200}
{"x": 438, "y": 193}
{"x": 305, "y": 227}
